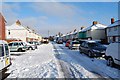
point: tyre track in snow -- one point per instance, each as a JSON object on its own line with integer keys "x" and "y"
{"x": 61, "y": 64}
{"x": 68, "y": 69}
{"x": 99, "y": 69}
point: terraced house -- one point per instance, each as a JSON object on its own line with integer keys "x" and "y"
{"x": 19, "y": 32}
{"x": 94, "y": 32}
{"x": 113, "y": 31}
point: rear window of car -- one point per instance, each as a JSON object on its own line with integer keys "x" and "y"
{"x": 75, "y": 42}
{"x": 1, "y": 50}
{"x": 94, "y": 44}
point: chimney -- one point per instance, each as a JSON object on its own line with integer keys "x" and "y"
{"x": 95, "y": 22}
{"x": 112, "y": 20}
{"x": 82, "y": 27}
{"x": 18, "y": 22}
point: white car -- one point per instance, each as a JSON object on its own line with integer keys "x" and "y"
{"x": 17, "y": 46}
{"x": 113, "y": 54}
{"x": 29, "y": 46}
{"x": 5, "y": 60}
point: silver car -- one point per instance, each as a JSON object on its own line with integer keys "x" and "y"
{"x": 17, "y": 46}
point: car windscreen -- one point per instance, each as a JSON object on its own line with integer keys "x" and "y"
{"x": 1, "y": 50}
{"x": 6, "y": 49}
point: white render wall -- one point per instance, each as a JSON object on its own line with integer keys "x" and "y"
{"x": 18, "y": 34}
{"x": 96, "y": 34}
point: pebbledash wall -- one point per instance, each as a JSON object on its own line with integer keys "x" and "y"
{"x": 2, "y": 27}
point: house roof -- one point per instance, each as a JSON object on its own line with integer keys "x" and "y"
{"x": 116, "y": 23}
{"x": 96, "y": 26}
{"x": 15, "y": 26}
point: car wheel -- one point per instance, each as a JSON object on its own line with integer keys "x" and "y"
{"x": 30, "y": 48}
{"x": 20, "y": 50}
{"x": 90, "y": 54}
{"x": 80, "y": 50}
{"x": 110, "y": 62}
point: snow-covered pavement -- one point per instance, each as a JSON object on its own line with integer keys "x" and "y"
{"x": 34, "y": 64}
{"x": 56, "y": 61}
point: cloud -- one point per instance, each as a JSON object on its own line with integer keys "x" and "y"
{"x": 8, "y": 11}
{"x": 55, "y": 9}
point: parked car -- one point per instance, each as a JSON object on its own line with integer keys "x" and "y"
{"x": 17, "y": 46}
{"x": 60, "y": 41}
{"x": 113, "y": 54}
{"x": 45, "y": 40}
{"x": 92, "y": 48}
{"x": 33, "y": 43}
{"x": 67, "y": 43}
{"x": 74, "y": 45}
{"x": 5, "y": 60}
{"x": 29, "y": 46}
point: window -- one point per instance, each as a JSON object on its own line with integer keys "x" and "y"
{"x": 115, "y": 28}
{"x": 109, "y": 29}
{"x": 10, "y": 44}
{"x": 6, "y": 49}
{"x": 15, "y": 44}
{"x": 1, "y": 50}
{"x": 82, "y": 44}
{"x": 8, "y": 32}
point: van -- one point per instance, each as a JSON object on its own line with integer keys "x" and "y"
{"x": 5, "y": 60}
{"x": 113, "y": 54}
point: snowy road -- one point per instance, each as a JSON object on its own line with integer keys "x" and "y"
{"x": 81, "y": 66}
{"x": 56, "y": 61}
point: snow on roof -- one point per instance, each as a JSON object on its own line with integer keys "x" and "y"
{"x": 116, "y": 23}
{"x": 96, "y": 26}
{"x": 15, "y": 26}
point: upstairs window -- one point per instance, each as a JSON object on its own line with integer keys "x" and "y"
{"x": 8, "y": 32}
{"x": 109, "y": 29}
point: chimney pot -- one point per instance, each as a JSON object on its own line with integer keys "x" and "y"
{"x": 95, "y": 22}
{"x": 112, "y": 20}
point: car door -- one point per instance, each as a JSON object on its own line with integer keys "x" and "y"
{"x": 1, "y": 56}
{"x": 7, "y": 59}
{"x": 15, "y": 46}
{"x": 86, "y": 48}
{"x": 10, "y": 46}
{"x": 82, "y": 47}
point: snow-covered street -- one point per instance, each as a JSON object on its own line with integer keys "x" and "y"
{"x": 57, "y": 61}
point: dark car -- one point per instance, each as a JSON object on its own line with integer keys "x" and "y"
{"x": 60, "y": 41}
{"x": 92, "y": 48}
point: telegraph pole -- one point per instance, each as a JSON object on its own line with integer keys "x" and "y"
{"x": 48, "y": 33}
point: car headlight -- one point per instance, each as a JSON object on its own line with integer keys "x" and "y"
{"x": 96, "y": 50}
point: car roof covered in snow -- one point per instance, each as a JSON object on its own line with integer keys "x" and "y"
{"x": 116, "y": 23}
{"x": 3, "y": 42}
{"x": 96, "y": 26}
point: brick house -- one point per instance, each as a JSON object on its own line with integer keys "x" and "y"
{"x": 2, "y": 27}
